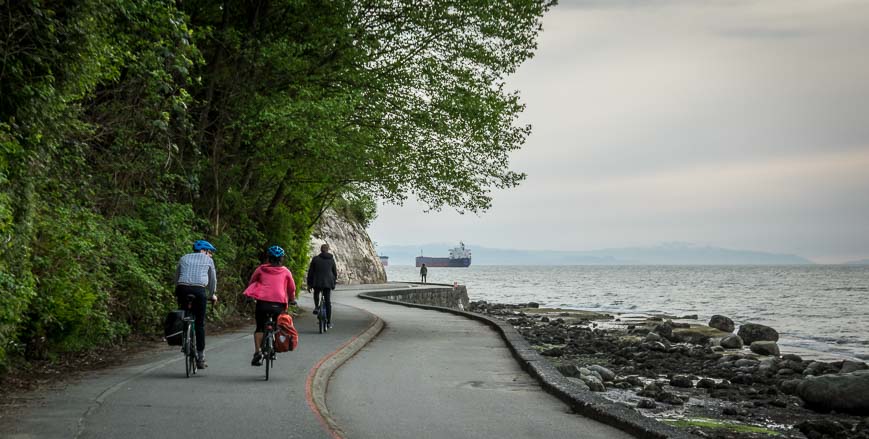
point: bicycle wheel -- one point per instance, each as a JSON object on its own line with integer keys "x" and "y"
{"x": 186, "y": 348}
{"x": 191, "y": 350}
{"x": 268, "y": 353}
{"x": 321, "y": 317}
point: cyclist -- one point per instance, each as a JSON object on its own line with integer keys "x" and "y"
{"x": 273, "y": 287}
{"x": 196, "y": 275}
{"x": 322, "y": 274}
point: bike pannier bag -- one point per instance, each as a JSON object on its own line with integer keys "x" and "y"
{"x": 286, "y": 338}
{"x": 173, "y": 327}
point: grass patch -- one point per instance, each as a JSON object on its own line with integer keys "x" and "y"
{"x": 722, "y": 425}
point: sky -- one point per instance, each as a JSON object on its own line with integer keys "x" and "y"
{"x": 733, "y": 123}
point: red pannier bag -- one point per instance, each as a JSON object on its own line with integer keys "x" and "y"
{"x": 286, "y": 338}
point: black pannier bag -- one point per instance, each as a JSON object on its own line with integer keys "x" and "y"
{"x": 173, "y": 327}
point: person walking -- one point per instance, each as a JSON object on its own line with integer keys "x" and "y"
{"x": 322, "y": 274}
{"x": 423, "y": 272}
{"x": 273, "y": 287}
{"x": 196, "y": 275}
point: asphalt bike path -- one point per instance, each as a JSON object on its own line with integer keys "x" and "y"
{"x": 432, "y": 374}
{"x": 150, "y": 397}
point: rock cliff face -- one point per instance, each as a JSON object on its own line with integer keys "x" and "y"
{"x": 354, "y": 252}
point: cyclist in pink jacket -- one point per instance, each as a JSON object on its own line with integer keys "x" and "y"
{"x": 273, "y": 287}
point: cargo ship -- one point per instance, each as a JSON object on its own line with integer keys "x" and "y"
{"x": 384, "y": 260}
{"x": 459, "y": 257}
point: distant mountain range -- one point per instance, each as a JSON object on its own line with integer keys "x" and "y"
{"x": 663, "y": 254}
{"x": 860, "y": 262}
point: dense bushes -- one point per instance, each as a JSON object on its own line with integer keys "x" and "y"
{"x": 130, "y": 128}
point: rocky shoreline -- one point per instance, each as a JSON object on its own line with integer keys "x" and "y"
{"x": 703, "y": 378}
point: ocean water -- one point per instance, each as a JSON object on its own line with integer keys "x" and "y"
{"x": 819, "y": 311}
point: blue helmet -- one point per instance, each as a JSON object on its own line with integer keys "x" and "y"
{"x": 203, "y": 245}
{"x": 276, "y": 251}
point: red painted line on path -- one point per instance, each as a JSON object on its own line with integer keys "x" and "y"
{"x": 309, "y": 396}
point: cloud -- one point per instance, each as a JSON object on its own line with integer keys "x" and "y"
{"x": 741, "y": 124}
{"x": 764, "y": 33}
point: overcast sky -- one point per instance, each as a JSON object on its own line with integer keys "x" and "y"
{"x": 740, "y": 124}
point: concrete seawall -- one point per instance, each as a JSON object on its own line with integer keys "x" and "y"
{"x": 441, "y": 295}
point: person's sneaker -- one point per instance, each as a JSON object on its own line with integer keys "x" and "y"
{"x": 257, "y": 359}
{"x": 329, "y": 325}
{"x": 200, "y": 360}
{"x": 316, "y": 311}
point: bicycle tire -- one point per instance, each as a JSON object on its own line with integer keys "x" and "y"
{"x": 187, "y": 348}
{"x": 193, "y": 349}
{"x": 267, "y": 353}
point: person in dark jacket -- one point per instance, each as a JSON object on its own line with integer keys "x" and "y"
{"x": 322, "y": 274}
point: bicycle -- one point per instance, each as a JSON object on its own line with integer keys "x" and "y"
{"x": 188, "y": 337}
{"x": 322, "y": 322}
{"x": 267, "y": 347}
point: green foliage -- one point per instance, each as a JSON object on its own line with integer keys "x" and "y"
{"x": 130, "y": 128}
{"x": 357, "y": 208}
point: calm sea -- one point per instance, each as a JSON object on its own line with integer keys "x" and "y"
{"x": 819, "y": 311}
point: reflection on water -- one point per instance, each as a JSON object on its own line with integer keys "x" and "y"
{"x": 820, "y": 311}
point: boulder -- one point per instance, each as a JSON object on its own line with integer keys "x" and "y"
{"x": 796, "y": 366}
{"x": 822, "y": 428}
{"x": 646, "y": 404}
{"x": 568, "y": 370}
{"x": 768, "y": 365}
{"x": 681, "y": 381}
{"x": 742, "y": 362}
{"x": 789, "y": 387}
{"x": 553, "y": 352}
{"x": 605, "y": 374}
{"x": 721, "y": 323}
{"x": 664, "y": 330}
{"x": 765, "y": 348}
{"x": 580, "y": 383}
{"x": 584, "y": 371}
{"x": 706, "y": 383}
{"x": 593, "y": 382}
{"x": 791, "y": 357}
{"x": 847, "y": 393}
{"x": 653, "y": 337}
{"x": 651, "y": 390}
{"x": 849, "y": 366}
{"x": 671, "y": 398}
{"x": 731, "y": 342}
{"x": 752, "y": 332}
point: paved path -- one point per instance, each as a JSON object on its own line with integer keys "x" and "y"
{"x": 428, "y": 374}
{"x": 437, "y": 375}
{"x": 151, "y": 398}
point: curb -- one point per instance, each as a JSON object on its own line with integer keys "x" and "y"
{"x": 317, "y": 382}
{"x": 580, "y": 401}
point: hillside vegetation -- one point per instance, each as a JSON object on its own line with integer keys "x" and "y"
{"x": 129, "y": 128}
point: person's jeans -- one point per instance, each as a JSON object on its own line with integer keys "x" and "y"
{"x": 199, "y": 304}
{"x": 327, "y": 301}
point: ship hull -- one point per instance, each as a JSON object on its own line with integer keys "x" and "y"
{"x": 443, "y": 262}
